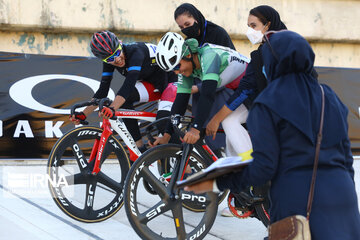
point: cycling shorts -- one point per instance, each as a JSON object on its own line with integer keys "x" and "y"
{"x": 148, "y": 93}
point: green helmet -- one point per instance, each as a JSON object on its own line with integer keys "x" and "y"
{"x": 190, "y": 46}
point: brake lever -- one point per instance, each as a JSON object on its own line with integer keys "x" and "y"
{"x": 84, "y": 122}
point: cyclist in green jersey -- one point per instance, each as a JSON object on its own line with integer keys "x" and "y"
{"x": 215, "y": 66}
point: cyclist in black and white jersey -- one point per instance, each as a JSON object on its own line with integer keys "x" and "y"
{"x": 144, "y": 80}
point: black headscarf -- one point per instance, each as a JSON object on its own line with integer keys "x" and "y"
{"x": 268, "y": 14}
{"x": 187, "y": 7}
{"x": 265, "y": 14}
{"x": 209, "y": 32}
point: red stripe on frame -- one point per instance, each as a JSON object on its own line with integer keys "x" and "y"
{"x": 134, "y": 114}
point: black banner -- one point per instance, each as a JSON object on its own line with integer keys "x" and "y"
{"x": 346, "y": 83}
{"x": 37, "y": 91}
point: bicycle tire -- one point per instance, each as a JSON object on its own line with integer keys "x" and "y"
{"x": 68, "y": 160}
{"x": 149, "y": 215}
{"x": 166, "y": 167}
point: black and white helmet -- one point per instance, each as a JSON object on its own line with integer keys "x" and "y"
{"x": 104, "y": 43}
{"x": 169, "y": 51}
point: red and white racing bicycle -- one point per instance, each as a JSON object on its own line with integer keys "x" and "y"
{"x": 90, "y": 161}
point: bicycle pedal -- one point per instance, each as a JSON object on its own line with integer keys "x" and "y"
{"x": 247, "y": 198}
{"x": 258, "y": 199}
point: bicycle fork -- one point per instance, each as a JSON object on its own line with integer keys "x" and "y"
{"x": 99, "y": 146}
{"x": 178, "y": 174}
{"x": 179, "y": 170}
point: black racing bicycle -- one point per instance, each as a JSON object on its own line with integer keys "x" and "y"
{"x": 151, "y": 196}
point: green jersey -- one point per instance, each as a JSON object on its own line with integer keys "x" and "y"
{"x": 218, "y": 63}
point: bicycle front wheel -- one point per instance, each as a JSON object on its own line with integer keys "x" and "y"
{"x": 159, "y": 213}
{"x": 78, "y": 193}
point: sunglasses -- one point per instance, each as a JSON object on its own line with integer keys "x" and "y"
{"x": 112, "y": 57}
{"x": 177, "y": 67}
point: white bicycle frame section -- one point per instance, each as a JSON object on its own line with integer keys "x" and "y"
{"x": 118, "y": 126}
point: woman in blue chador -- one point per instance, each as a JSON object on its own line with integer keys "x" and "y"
{"x": 283, "y": 124}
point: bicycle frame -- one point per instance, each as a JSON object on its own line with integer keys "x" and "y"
{"x": 119, "y": 127}
{"x": 202, "y": 149}
{"x": 199, "y": 147}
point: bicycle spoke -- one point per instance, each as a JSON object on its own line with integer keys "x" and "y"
{"x": 77, "y": 178}
{"x": 196, "y": 199}
{"x": 79, "y": 156}
{"x": 179, "y": 220}
{"x": 109, "y": 182}
{"x": 154, "y": 182}
{"x": 107, "y": 151}
{"x": 153, "y": 212}
{"x": 89, "y": 198}
{"x": 147, "y": 221}
{"x": 78, "y": 201}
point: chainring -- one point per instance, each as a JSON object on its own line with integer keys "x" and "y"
{"x": 239, "y": 212}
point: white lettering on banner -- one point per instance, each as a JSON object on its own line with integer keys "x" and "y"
{"x": 21, "y": 91}
{"x": 50, "y": 130}
{"x": 23, "y": 126}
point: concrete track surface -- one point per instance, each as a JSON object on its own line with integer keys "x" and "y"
{"x": 24, "y": 217}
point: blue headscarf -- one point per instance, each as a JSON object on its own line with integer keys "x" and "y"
{"x": 294, "y": 93}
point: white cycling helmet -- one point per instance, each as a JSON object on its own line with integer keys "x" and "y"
{"x": 169, "y": 51}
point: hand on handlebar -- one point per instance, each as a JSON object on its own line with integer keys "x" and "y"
{"x": 77, "y": 117}
{"x": 107, "y": 112}
{"x": 191, "y": 136}
{"x": 160, "y": 140}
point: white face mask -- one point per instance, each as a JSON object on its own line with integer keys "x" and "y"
{"x": 254, "y": 36}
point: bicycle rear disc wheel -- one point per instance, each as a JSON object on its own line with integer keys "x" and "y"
{"x": 86, "y": 197}
{"x": 163, "y": 215}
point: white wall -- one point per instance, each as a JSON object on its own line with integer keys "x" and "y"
{"x": 64, "y": 27}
